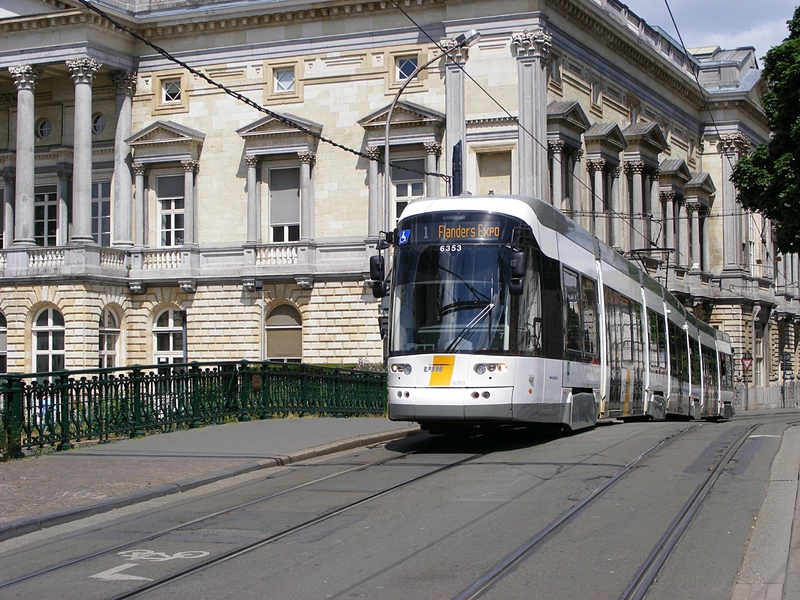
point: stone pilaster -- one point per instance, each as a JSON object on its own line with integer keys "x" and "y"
{"x": 556, "y": 148}
{"x": 693, "y": 213}
{"x": 307, "y": 160}
{"x": 190, "y": 168}
{"x": 455, "y": 111}
{"x": 124, "y": 88}
{"x": 731, "y": 147}
{"x": 253, "y": 200}
{"x": 636, "y": 169}
{"x": 374, "y": 210}
{"x": 62, "y": 231}
{"x": 432, "y": 152}
{"x": 140, "y": 205}
{"x": 596, "y": 167}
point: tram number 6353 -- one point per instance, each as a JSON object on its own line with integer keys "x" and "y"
{"x": 450, "y": 248}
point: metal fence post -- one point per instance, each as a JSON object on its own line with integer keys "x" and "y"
{"x": 245, "y": 384}
{"x": 13, "y": 424}
{"x": 195, "y": 379}
{"x": 137, "y": 400}
{"x": 64, "y": 409}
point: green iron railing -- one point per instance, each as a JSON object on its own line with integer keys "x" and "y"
{"x": 58, "y": 408}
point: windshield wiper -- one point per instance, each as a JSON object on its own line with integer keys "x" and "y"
{"x": 469, "y": 327}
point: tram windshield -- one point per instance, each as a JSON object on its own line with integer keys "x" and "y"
{"x": 451, "y": 280}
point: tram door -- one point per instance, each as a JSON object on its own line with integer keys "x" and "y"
{"x": 625, "y": 359}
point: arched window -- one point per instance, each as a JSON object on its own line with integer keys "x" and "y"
{"x": 109, "y": 339}
{"x": 3, "y": 338}
{"x": 168, "y": 336}
{"x": 284, "y": 331}
{"x": 48, "y": 341}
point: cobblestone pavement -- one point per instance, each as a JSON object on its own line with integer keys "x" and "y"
{"x": 53, "y": 483}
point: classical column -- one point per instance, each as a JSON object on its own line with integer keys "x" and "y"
{"x": 683, "y": 234}
{"x": 532, "y": 49}
{"x": 455, "y": 111}
{"x": 190, "y": 168}
{"x": 307, "y": 159}
{"x": 25, "y": 78}
{"x": 616, "y": 209}
{"x": 8, "y": 213}
{"x": 597, "y": 204}
{"x": 62, "y": 231}
{"x": 432, "y": 152}
{"x": 693, "y": 210}
{"x": 139, "y": 205}
{"x": 636, "y": 169}
{"x": 577, "y": 201}
{"x": 556, "y": 147}
{"x": 82, "y": 71}
{"x": 253, "y": 200}
{"x": 124, "y": 87}
{"x": 705, "y": 250}
{"x": 730, "y": 149}
{"x": 668, "y": 198}
{"x": 652, "y": 205}
{"x": 375, "y": 207}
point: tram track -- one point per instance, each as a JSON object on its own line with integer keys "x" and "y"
{"x": 649, "y": 570}
{"x": 199, "y": 520}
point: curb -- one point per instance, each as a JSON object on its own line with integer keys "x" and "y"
{"x": 21, "y": 527}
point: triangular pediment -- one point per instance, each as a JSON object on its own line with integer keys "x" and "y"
{"x": 701, "y": 182}
{"x": 283, "y": 124}
{"x": 607, "y": 135}
{"x": 405, "y": 114}
{"x": 675, "y": 168}
{"x": 569, "y": 114}
{"x": 647, "y": 134}
{"x": 166, "y": 132}
{"x": 11, "y": 9}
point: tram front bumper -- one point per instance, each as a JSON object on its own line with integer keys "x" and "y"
{"x": 420, "y": 404}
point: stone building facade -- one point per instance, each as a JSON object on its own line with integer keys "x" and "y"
{"x": 154, "y": 213}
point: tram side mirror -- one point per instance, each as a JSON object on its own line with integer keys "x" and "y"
{"x": 518, "y": 264}
{"x": 380, "y": 289}
{"x": 376, "y": 267}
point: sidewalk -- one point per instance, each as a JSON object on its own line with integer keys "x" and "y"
{"x": 42, "y": 491}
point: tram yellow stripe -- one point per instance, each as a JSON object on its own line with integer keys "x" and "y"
{"x": 442, "y": 370}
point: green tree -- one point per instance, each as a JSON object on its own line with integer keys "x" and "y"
{"x": 768, "y": 179}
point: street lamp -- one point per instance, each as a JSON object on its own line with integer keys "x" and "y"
{"x": 462, "y": 41}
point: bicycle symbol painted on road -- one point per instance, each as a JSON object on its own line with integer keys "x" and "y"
{"x": 116, "y": 574}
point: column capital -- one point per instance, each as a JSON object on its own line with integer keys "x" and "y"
{"x": 434, "y": 148}
{"x": 124, "y": 82}
{"x": 306, "y": 157}
{"x": 9, "y": 178}
{"x": 616, "y": 172}
{"x": 692, "y": 206}
{"x": 25, "y": 76}
{"x": 190, "y": 165}
{"x": 64, "y": 174}
{"x": 556, "y": 145}
{"x": 140, "y": 168}
{"x": 83, "y": 70}
{"x": 374, "y": 152}
{"x": 252, "y": 160}
{"x": 734, "y": 143}
{"x": 595, "y": 164}
{"x": 667, "y": 196}
{"x": 458, "y": 56}
{"x": 635, "y": 167}
{"x": 532, "y": 44}
{"x": 577, "y": 154}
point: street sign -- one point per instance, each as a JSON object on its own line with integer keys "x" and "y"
{"x": 747, "y": 362}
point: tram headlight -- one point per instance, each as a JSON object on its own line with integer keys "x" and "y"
{"x": 401, "y": 368}
{"x": 481, "y": 368}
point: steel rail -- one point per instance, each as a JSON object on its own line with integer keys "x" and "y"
{"x": 502, "y": 568}
{"x": 287, "y": 532}
{"x": 644, "y": 578}
{"x": 201, "y": 519}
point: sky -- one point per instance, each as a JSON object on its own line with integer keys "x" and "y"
{"x": 724, "y": 23}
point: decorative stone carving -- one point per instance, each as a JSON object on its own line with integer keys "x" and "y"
{"x": 83, "y": 70}
{"x": 434, "y": 148}
{"x": 734, "y": 143}
{"x": 190, "y": 166}
{"x": 306, "y": 157}
{"x": 252, "y": 161}
{"x": 25, "y": 76}
{"x": 595, "y": 164}
{"x": 124, "y": 82}
{"x": 532, "y": 44}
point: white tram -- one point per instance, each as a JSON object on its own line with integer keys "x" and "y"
{"x": 503, "y": 309}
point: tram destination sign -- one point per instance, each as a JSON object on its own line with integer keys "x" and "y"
{"x": 462, "y": 231}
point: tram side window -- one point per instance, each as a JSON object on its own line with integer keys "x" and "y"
{"x": 626, "y": 335}
{"x": 695, "y": 356}
{"x": 678, "y": 353}
{"x": 710, "y": 378}
{"x": 637, "y": 345}
{"x": 726, "y": 371}
{"x": 590, "y": 329}
{"x": 612, "y": 326}
{"x": 527, "y": 336}
{"x": 552, "y": 329}
{"x": 572, "y": 297}
{"x": 658, "y": 342}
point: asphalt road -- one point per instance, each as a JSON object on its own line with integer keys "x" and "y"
{"x": 434, "y": 536}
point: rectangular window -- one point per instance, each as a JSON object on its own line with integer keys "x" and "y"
{"x": 572, "y": 297}
{"x": 284, "y": 204}
{"x": 284, "y": 81}
{"x": 45, "y": 211}
{"x": 101, "y": 212}
{"x": 169, "y": 189}
{"x": 408, "y": 181}
{"x": 170, "y": 91}
{"x": 405, "y": 67}
{"x": 591, "y": 333}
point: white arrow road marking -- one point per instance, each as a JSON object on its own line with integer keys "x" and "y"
{"x": 115, "y": 574}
